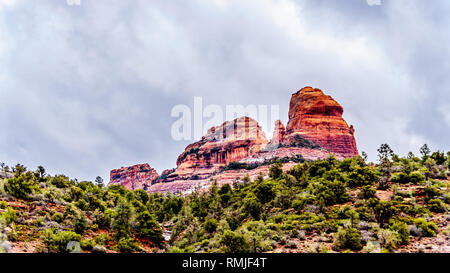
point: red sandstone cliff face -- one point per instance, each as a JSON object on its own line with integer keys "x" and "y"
{"x": 318, "y": 118}
{"x": 229, "y": 142}
{"x": 279, "y": 133}
{"x": 136, "y": 177}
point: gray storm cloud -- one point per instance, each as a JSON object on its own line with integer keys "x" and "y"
{"x": 85, "y": 89}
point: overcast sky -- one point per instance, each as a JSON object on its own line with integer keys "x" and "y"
{"x": 85, "y": 89}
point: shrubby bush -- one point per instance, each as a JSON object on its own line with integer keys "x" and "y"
{"x": 402, "y": 230}
{"x": 347, "y": 238}
{"x": 252, "y": 207}
{"x": 103, "y": 219}
{"x": 9, "y": 216}
{"x": 122, "y": 218}
{"x": 388, "y": 239}
{"x": 59, "y": 241}
{"x": 368, "y": 192}
{"x": 20, "y": 187}
{"x": 58, "y": 217}
{"x": 416, "y": 177}
{"x": 80, "y": 223}
{"x": 127, "y": 245}
{"x": 234, "y": 243}
{"x": 330, "y": 192}
{"x": 428, "y": 229}
{"x": 147, "y": 227}
{"x": 437, "y": 205}
{"x": 210, "y": 225}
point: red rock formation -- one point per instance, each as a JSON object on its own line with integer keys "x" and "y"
{"x": 136, "y": 177}
{"x": 279, "y": 133}
{"x": 315, "y": 130}
{"x": 229, "y": 142}
{"x": 318, "y": 118}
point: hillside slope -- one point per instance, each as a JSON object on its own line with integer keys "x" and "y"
{"x": 399, "y": 205}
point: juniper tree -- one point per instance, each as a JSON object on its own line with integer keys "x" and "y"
{"x": 385, "y": 154}
{"x": 425, "y": 151}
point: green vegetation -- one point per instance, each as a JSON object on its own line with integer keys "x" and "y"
{"x": 345, "y": 205}
{"x": 302, "y": 142}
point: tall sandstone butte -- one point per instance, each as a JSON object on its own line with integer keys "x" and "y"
{"x": 135, "y": 177}
{"x": 318, "y": 118}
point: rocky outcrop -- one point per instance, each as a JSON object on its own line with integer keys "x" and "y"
{"x": 279, "y": 133}
{"x": 315, "y": 130}
{"x": 317, "y": 118}
{"x": 229, "y": 142}
{"x": 135, "y": 177}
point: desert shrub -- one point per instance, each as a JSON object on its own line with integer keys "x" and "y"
{"x": 402, "y": 230}
{"x": 388, "y": 239}
{"x": 436, "y": 205}
{"x": 319, "y": 167}
{"x": 210, "y": 225}
{"x": 233, "y": 223}
{"x": 438, "y": 157}
{"x": 59, "y": 241}
{"x": 147, "y": 227}
{"x": 284, "y": 199}
{"x": 58, "y": 217}
{"x": 331, "y": 192}
{"x": 20, "y": 187}
{"x": 428, "y": 229}
{"x": 60, "y": 181}
{"x": 103, "y": 219}
{"x": 362, "y": 177}
{"x": 80, "y": 223}
{"x": 302, "y": 142}
{"x": 400, "y": 177}
{"x": 416, "y": 177}
{"x": 121, "y": 222}
{"x": 74, "y": 194}
{"x": 127, "y": 245}
{"x": 3, "y": 204}
{"x": 276, "y": 170}
{"x": 234, "y": 243}
{"x": 87, "y": 244}
{"x": 94, "y": 203}
{"x": 382, "y": 210}
{"x": 173, "y": 205}
{"x": 141, "y": 196}
{"x": 368, "y": 192}
{"x": 431, "y": 192}
{"x": 300, "y": 173}
{"x": 235, "y": 166}
{"x": 70, "y": 212}
{"x": 253, "y": 207}
{"x": 265, "y": 192}
{"x": 53, "y": 194}
{"x": 82, "y": 204}
{"x": 102, "y": 239}
{"x": 347, "y": 238}
{"x": 9, "y": 216}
